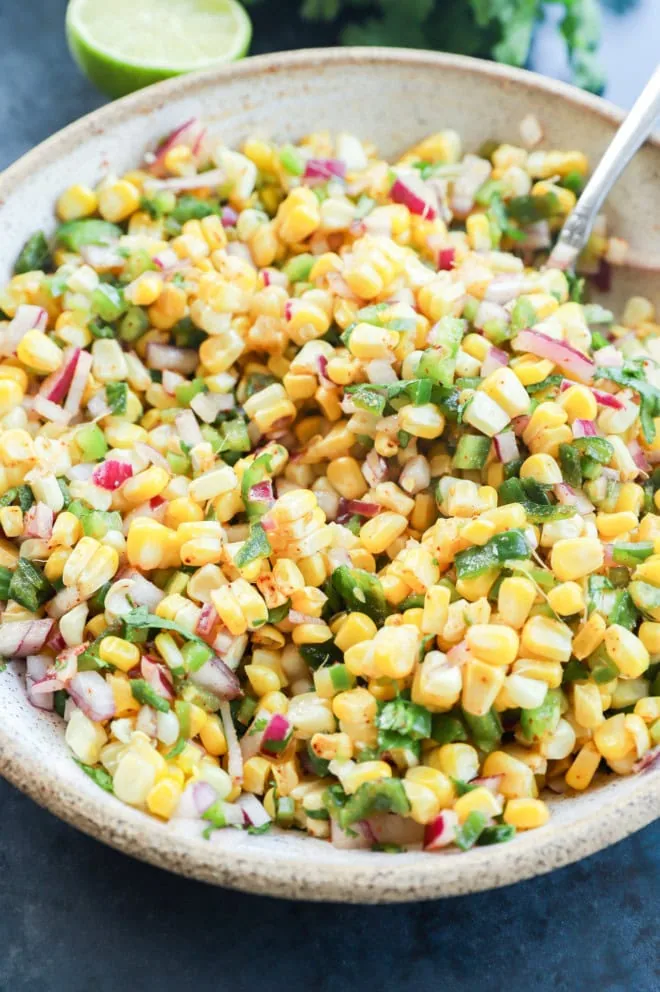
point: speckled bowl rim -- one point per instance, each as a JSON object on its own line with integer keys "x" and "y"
{"x": 368, "y": 878}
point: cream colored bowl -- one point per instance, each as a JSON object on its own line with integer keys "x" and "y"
{"x": 393, "y": 97}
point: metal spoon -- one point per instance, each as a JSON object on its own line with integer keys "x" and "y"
{"x": 632, "y": 133}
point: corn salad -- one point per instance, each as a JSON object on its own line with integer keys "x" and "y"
{"x": 324, "y": 505}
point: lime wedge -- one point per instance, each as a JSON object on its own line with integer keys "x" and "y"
{"x": 122, "y": 45}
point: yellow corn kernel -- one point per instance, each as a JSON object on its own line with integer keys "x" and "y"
{"x": 456, "y": 761}
{"x": 546, "y": 638}
{"x": 627, "y": 651}
{"x": 436, "y": 609}
{"x": 262, "y": 679}
{"x": 613, "y": 739}
{"x": 365, "y": 771}
{"x": 118, "y": 200}
{"x": 381, "y": 531}
{"x": 517, "y": 779}
{"x": 163, "y": 797}
{"x": 580, "y": 775}
{"x": 147, "y": 543}
{"x": 11, "y": 520}
{"x": 587, "y": 705}
{"x": 37, "y": 351}
{"x": 356, "y": 628}
{"x": 424, "y": 804}
{"x": 493, "y": 643}
{"x": 479, "y": 800}
{"x": 481, "y": 684}
{"x": 573, "y": 558}
{"x": 256, "y": 775}
{"x": 505, "y": 388}
{"x": 75, "y": 202}
{"x": 119, "y": 653}
{"x": 145, "y": 485}
{"x": 212, "y": 736}
{"x": 526, "y": 814}
{"x": 566, "y": 599}
{"x": 425, "y": 420}
{"x": 437, "y": 684}
{"x": 125, "y": 702}
{"x": 298, "y": 215}
{"x": 436, "y": 781}
{"x": 613, "y": 525}
{"x": 579, "y": 403}
{"x": 97, "y": 571}
{"x": 514, "y": 600}
{"x": 346, "y": 477}
{"x": 396, "y": 650}
{"x": 589, "y": 636}
{"x": 11, "y": 394}
{"x": 354, "y": 706}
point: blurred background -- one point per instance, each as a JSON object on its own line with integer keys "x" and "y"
{"x": 77, "y": 916}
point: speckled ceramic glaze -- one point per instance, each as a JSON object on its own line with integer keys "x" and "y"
{"x": 393, "y": 97}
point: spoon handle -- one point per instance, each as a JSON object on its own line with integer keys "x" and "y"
{"x": 632, "y": 133}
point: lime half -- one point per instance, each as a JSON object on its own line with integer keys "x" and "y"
{"x": 122, "y": 45}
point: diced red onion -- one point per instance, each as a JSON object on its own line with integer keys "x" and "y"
{"x": 495, "y": 359}
{"x": 38, "y": 522}
{"x": 251, "y": 739}
{"x": 234, "y": 758}
{"x": 228, "y": 217}
{"x": 64, "y": 601}
{"x": 350, "y": 506}
{"x": 166, "y": 260}
{"x": 584, "y": 428}
{"x": 459, "y": 654}
{"x": 648, "y": 760}
{"x": 296, "y": 617}
{"x": 240, "y": 250}
{"x": 78, "y": 383}
{"x": 275, "y": 735}
{"x": 50, "y": 411}
{"x": 390, "y": 828}
{"x": 324, "y": 168}
{"x": 568, "y": 496}
{"x": 416, "y": 195}
{"x": 112, "y": 474}
{"x": 82, "y": 472}
{"x": 170, "y": 380}
{"x": 212, "y": 178}
{"x": 374, "y": 468}
{"x": 602, "y": 398}
{"x": 158, "y": 677}
{"x": 23, "y": 637}
{"x": 262, "y": 492}
{"x": 490, "y": 782}
{"x": 359, "y": 839}
{"x": 188, "y": 428}
{"x": 639, "y": 458}
{"x": 474, "y": 173}
{"x": 441, "y": 831}
{"x": 37, "y": 666}
{"x": 152, "y": 455}
{"x": 26, "y": 318}
{"x": 55, "y": 641}
{"x": 253, "y": 809}
{"x": 487, "y": 312}
{"x": 602, "y": 278}
{"x": 338, "y": 557}
{"x": 93, "y": 695}
{"x": 380, "y": 372}
{"x": 142, "y": 591}
{"x": 339, "y": 287}
{"x": 57, "y": 385}
{"x": 506, "y": 446}
{"x": 195, "y": 799}
{"x": 165, "y": 356}
{"x": 503, "y": 288}
{"x": 156, "y": 511}
{"x": 537, "y": 236}
{"x": 98, "y": 405}
{"x": 60, "y": 674}
{"x": 568, "y": 359}
{"x": 207, "y": 406}
{"x": 190, "y": 133}
{"x": 610, "y": 357}
{"x": 206, "y": 621}
{"x": 218, "y": 678}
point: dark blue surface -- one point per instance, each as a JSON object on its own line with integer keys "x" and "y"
{"x": 78, "y": 917}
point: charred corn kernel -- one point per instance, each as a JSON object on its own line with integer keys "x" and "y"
{"x": 424, "y": 804}
{"x": 38, "y": 352}
{"x": 479, "y": 800}
{"x": 612, "y": 738}
{"x": 526, "y": 814}
{"x": 515, "y": 599}
{"x": 493, "y": 643}
{"x": 580, "y": 775}
{"x": 589, "y": 636}
{"x": 436, "y": 609}
{"x": 75, "y": 202}
{"x": 547, "y": 639}
{"x": 549, "y": 672}
{"x": 356, "y": 628}
{"x": 517, "y": 779}
{"x": 381, "y": 531}
{"x": 346, "y": 477}
{"x": 354, "y": 706}
{"x": 118, "y": 200}
{"x": 626, "y": 650}
{"x": 11, "y": 520}
{"x": 566, "y": 599}
{"x": 587, "y": 705}
{"x": 119, "y": 653}
{"x": 481, "y": 684}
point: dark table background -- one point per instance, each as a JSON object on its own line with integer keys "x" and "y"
{"x": 78, "y": 917}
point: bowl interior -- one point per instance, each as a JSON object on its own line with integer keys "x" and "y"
{"x": 392, "y": 97}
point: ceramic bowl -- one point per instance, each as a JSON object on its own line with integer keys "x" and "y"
{"x": 393, "y": 97}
